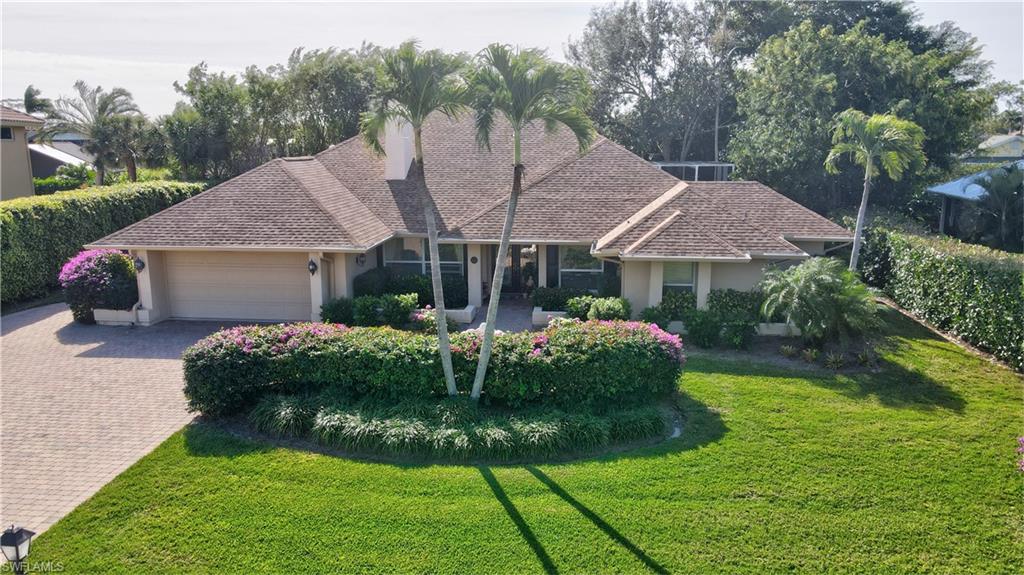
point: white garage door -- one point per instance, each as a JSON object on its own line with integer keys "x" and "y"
{"x": 238, "y": 285}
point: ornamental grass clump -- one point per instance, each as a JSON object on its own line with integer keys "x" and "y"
{"x": 98, "y": 279}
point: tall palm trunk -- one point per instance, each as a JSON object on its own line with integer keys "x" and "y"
{"x": 101, "y": 172}
{"x": 444, "y": 343}
{"x": 499, "y": 275}
{"x": 858, "y": 234}
{"x": 129, "y": 164}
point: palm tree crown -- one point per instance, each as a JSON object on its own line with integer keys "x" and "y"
{"x": 90, "y": 114}
{"x": 524, "y": 87}
{"x": 412, "y": 85}
{"x": 880, "y": 141}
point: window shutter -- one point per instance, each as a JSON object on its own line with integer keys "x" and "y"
{"x": 552, "y": 265}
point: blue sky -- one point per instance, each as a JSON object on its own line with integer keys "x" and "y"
{"x": 145, "y": 47}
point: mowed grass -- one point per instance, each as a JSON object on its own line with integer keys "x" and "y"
{"x": 912, "y": 469}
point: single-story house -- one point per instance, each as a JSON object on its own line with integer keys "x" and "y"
{"x": 47, "y": 158}
{"x": 278, "y": 241}
{"x": 16, "y": 168}
{"x": 998, "y": 148}
{"x": 968, "y": 188}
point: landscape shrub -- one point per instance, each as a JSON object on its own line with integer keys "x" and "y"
{"x": 67, "y": 177}
{"x": 39, "y": 233}
{"x": 610, "y": 308}
{"x": 98, "y": 279}
{"x": 555, "y": 298}
{"x": 388, "y": 309}
{"x": 385, "y": 280}
{"x": 704, "y": 328}
{"x": 579, "y": 306}
{"x": 677, "y": 305}
{"x": 590, "y": 307}
{"x": 657, "y": 315}
{"x": 571, "y": 364}
{"x": 974, "y": 292}
{"x": 338, "y": 310}
{"x": 738, "y": 332}
{"x": 822, "y": 298}
{"x": 425, "y": 320}
{"x": 730, "y": 303}
{"x": 451, "y": 428}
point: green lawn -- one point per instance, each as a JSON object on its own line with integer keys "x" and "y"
{"x": 908, "y": 470}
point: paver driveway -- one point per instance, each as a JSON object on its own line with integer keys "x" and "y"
{"x": 79, "y": 404}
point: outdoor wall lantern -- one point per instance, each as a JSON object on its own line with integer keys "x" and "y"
{"x": 312, "y": 267}
{"x": 139, "y": 264}
{"x": 15, "y": 542}
{"x": 361, "y": 260}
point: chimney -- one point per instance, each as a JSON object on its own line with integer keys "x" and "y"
{"x": 398, "y": 150}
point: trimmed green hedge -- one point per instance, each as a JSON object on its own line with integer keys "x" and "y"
{"x": 555, "y": 298}
{"x": 974, "y": 292}
{"x": 39, "y": 233}
{"x": 388, "y": 281}
{"x": 570, "y": 364}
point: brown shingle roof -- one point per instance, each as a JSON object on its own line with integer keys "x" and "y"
{"x": 340, "y": 200}
{"x": 12, "y": 117}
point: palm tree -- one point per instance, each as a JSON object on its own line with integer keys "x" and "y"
{"x": 91, "y": 114}
{"x": 412, "y": 85}
{"x": 524, "y": 87}
{"x": 872, "y": 141}
{"x": 1004, "y": 201}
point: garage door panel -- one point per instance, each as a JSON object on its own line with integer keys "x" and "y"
{"x": 225, "y": 285}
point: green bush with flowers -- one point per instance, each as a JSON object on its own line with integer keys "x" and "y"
{"x": 98, "y": 279}
{"x": 571, "y": 364}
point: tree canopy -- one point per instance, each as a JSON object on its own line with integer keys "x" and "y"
{"x": 799, "y": 81}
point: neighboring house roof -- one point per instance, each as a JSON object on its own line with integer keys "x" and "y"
{"x": 73, "y": 149}
{"x": 1001, "y": 140}
{"x": 339, "y": 200}
{"x": 12, "y": 117}
{"x": 59, "y": 155}
{"x": 967, "y": 188}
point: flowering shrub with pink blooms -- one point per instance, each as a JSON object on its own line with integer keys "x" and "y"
{"x": 98, "y": 279}
{"x": 1020, "y": 451}
{"x": 571, "y": 365}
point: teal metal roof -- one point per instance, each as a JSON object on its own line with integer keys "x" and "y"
{"x": 968, "y": 188}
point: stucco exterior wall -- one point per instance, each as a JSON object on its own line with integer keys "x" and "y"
{"x": 636, "y": 281}
{"x": 15, "y": 166}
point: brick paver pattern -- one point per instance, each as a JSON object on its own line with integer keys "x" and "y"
{"x": 79, "y": 404}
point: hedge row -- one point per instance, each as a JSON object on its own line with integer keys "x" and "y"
{"x": 972, "y": 291}
{"x": 39, "y": 233}
{"x": 452, "y": 429}
{"x": 570, "y": 364}
{"x": 389, "y": 281}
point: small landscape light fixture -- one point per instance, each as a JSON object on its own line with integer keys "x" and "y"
{"x": 139, "y": 264}
{"x": 15, "y": 542}
{"x": 312, "y": 267}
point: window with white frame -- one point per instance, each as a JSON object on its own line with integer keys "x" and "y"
{"x": 412, "y": 256}
{"x": 678, "y": 277}
{"x": 577, "y": 268}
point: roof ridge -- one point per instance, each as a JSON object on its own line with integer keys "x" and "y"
{"x": 653, "y": 232}
{"x": 312, "y": 196}
{"x": 553, "y": 170}
{"x": 640, "y": 215}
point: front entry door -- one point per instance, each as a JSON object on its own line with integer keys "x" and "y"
{"x": 520, "y": 268}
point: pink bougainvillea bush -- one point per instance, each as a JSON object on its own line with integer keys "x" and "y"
{"x": 571, "y": 364}
{"x": 98, "y": 279}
